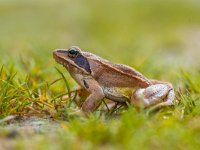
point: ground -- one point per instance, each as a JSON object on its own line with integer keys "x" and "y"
{"x": 158, "y": 38}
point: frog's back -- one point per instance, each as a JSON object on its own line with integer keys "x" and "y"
{"x": 109, "y": 74}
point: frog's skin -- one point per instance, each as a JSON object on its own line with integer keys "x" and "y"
{"x": 117, "y": 82}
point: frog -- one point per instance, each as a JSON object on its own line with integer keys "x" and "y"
{"x": 117, "y": 82}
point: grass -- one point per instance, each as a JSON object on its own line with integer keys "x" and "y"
{"x": 160, "y": 39}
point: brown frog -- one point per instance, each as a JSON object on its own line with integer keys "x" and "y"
{"x": 117, "y": 82}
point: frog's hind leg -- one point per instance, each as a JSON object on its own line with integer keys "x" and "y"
{"x": 157, "y": 95}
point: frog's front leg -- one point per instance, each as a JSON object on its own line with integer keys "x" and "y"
{"x": 95, "y": 97}
{"x": 159, "y": 94}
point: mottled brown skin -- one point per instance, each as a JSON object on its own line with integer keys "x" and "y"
{"x": 103, "y": 79}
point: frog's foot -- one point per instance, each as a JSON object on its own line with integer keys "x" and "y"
{"x": 157, "y": 95}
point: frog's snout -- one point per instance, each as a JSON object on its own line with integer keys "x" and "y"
{"x": 58, "y": 54}
{"x": 60, "y": 51}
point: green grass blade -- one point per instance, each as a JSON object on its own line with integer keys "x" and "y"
{"x": 66, "y": 82}
{"x": 1, "y": 70}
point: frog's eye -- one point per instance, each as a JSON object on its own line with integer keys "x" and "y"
{"x": 73, "y": 53}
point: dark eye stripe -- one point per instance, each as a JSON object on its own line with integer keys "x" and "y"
{"x": 83, "y": 63}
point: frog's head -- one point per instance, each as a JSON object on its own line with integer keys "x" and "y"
{"x": 72, "y": 57}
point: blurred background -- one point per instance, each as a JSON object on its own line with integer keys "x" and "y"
{"x": 160, "y": 38}
{"x": 157, "y": 37}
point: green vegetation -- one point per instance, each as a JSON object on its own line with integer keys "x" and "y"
{"x": 158, "y": 38}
